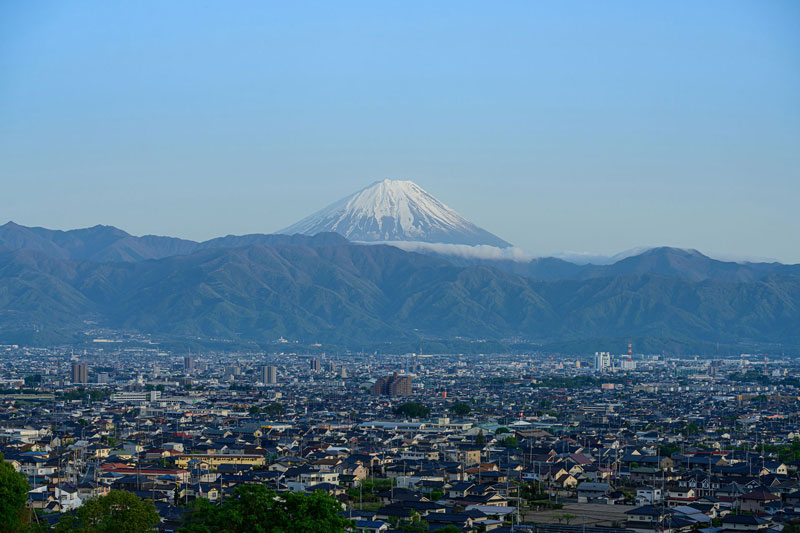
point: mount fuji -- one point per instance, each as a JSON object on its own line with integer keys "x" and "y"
{"x": 395, "y": 210}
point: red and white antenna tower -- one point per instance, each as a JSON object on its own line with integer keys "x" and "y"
{"x": 630, "y": 350}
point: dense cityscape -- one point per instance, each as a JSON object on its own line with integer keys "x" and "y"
{"x": 519, "y": 442}
{"x": 400, "y": 267}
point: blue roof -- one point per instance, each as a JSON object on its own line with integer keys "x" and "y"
{"x": 369, "y": 523}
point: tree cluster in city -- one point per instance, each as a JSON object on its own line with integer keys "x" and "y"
{"x": 118, "y": 511}
{"x": 14, "y": 517}
{"x": 412, "y": 410}
{"x": 255, "y": 508}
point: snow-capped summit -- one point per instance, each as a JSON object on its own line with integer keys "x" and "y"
{"x": 395, "y": 210}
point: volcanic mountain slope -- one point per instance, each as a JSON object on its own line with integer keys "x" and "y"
{"x": 395, "y": 210}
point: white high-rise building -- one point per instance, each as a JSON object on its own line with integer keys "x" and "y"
{"x": 602, "y": 361}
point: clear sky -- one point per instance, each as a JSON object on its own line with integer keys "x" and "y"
{"x": 559, "y": 126}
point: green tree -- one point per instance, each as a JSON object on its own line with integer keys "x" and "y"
{"x": 566, "y": 517}
{"x": 530, "y": 491}
{"x": 118, "y": 511}
{"x": 75, "y": 394}
{"x": 33, "y": 380}
{"x": 95, "y": 395}
{"x": 666, "y": 450}
{"x": 691, "y": 429}
{"x": 788, "y": 527}
{"x": 786, "y": 453}
{"x": 273, "y": 409}
{"x": 480, "y": 439}
{"x": 412, "y": 410}
{"x": 13, "y": 496}
{"x": 410, "y": 526}
{"x": 259, "y": 509}
{"x": 414, "y": 524}
{"x": 511, "y": 442}
{"x": 460, "y": 409}
{"x": 499, "y": 431}
{"x": 254, "y": 410}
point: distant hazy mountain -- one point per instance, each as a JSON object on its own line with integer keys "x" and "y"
{"x": 690, "y": 265}
{"x": 107, "y": 243}
{"x": 687, "y": 264}
{"x": 394, "y": 210}
{"x": 599, "y": 259}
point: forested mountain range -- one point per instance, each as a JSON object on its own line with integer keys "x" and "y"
{"x": 326, "y": 289}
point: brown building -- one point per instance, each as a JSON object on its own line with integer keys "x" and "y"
{"x": 393, "y": 385}
{"x": 79, "y": 373}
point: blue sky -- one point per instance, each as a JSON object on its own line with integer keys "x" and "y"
{"x": 581, "y": 126}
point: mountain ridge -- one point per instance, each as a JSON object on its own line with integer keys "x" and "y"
{"x": 107, "y": 243}
{"x": 668, "y": 261}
